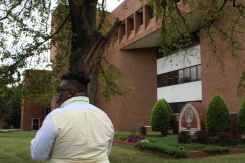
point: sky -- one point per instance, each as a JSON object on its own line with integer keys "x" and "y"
{"x": 112, "y": 4}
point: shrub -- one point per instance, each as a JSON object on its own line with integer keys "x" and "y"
{"x": 215, "y": 149}
{"x": 202, "y": 137}
{"x": 213, "y": 140}
{"x": 166, "y": 149}
{"x": 193, "y": 140}
{"x": 161, "y": 114}
{"x": 223, "y": 138}
{"x": 241, "y": 117}
{"x": 184, "y": 137}
{"x": 143, "y": 131}
{"x": 217, "y": 116}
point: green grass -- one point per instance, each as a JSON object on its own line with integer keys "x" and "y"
{"x": 15, "y": 148}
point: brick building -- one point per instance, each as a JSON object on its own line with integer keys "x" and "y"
{"x": 32, "y": 113}
{"x": 180, "y": 78}
{"x": 154, "y": 77}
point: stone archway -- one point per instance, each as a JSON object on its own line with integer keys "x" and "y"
{"x": 192, "y": 117}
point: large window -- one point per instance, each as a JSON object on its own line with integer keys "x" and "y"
{"x": 189, "y": 74}
{"x": 177, "y": 107}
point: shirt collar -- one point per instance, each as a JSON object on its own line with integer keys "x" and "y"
{"x": 78, "y": 99}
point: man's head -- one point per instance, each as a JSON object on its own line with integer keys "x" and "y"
{"x": 73, "y": 84}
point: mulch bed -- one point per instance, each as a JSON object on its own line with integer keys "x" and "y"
{"x": 194, "y": 154}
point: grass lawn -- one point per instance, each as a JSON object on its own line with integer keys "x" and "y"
{"x": 15, "y": 148}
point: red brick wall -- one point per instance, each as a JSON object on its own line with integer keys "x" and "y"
{"x": 175, "y": 123}
{"x": 139, "y": 69}
{"x": 30, "y": 110}
{"x": 222, "y": 77}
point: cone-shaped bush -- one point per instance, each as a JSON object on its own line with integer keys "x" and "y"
{"x": 161, "y": 114}
{"x": 217, "y": 115}
{"x": 241, "y": 117}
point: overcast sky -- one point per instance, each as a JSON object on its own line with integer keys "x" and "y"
{"x": 112, "y": 4}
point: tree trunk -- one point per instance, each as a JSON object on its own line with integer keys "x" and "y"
{"x": 93, "y": 85}
{"x": 83, "y": 24}
{"x": 87, "y": 45}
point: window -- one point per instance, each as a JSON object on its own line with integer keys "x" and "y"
{"x": 162, "y": 80}
{"x": 175, "y": 77}
{"x": 193, "y": 73}
{"x": 46, "y": 111}
{"x": 181, "y": 76}
{"x": 35, "y": 124}
{"x": 199, "y": 72}
{"x": 177, "y": 107}
{"x": 185, "y": 75}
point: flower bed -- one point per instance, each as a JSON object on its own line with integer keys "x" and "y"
{"x": 171, "y": 152}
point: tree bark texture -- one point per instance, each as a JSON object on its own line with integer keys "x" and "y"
{"x": 87, "y": 45}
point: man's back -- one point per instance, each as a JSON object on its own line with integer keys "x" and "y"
{"x": 82, "y": 134}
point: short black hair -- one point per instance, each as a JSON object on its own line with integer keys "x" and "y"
{"x": 79, "y": 76}
{"x": 79, "y": 79}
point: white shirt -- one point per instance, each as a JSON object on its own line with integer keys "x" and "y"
{"x": 66, "y": 132}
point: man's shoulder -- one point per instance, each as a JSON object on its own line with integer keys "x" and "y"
{"x": 73, "y": 107}
{"x": 80, "y": 106}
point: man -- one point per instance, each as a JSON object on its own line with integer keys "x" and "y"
{"x": 75, "y": 132}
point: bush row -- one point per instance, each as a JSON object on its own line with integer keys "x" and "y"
{"x": 171, "y": 150}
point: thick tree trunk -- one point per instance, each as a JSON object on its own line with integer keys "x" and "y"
{"x": 83, "y": 24}
{"x": 93, "y": 85}
{"x": 87, "y": 44}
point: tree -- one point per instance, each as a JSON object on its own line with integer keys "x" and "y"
{"x": 25, "y": 28}
{"x": 80, "y": 41}
{"x": 241, "y": 117}
{"x": 10, "y": 104}
{"x": 217, "y": 117}
{"x": 182, "y": 20}
{"x": 161, "y": 114}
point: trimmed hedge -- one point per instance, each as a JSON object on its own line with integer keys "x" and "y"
{"x": 217, "y": 115}
{"x": 216, "y": 149}
{"x": 170, "y": 145}
{"x": 161, "y": 115}
{"x": 241, "y": 117}
{"x": 166, "y": 149}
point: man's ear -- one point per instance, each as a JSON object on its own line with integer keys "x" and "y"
{"x": 72, "y": 93}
